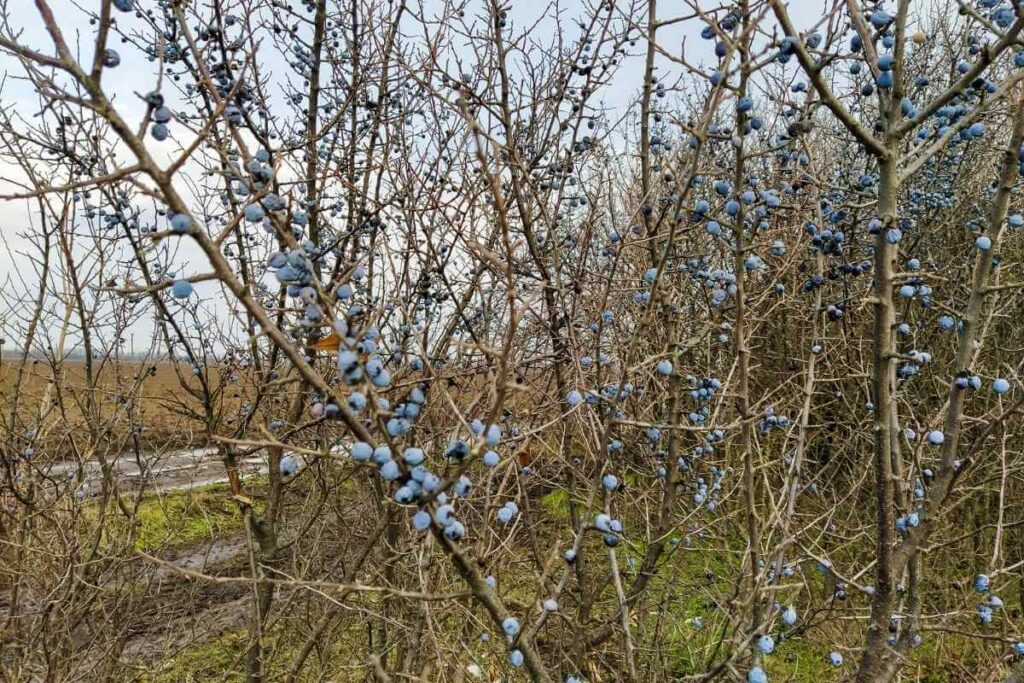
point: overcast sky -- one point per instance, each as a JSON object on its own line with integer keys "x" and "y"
{"x": 137, "y": 75}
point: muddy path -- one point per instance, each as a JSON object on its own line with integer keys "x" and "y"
{"x": 161, "y": 472}
{"x": 181, "y": 611}
{"x": 166, "y": 611}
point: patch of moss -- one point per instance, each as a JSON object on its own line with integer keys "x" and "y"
{"x": 173, "y": 519}
{"x": 185, "y": 517}
{"x": 222, "y": 658}
{"x": 217, "y": 659}
{"x": 802, "y": 661}
{"x": 556, "y": 503}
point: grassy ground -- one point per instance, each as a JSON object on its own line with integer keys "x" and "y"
{"x": 176, "y": 520}
{"x": 217, "y": 659}
{"x": 801, "y": 659}
{"x": 184, "y": 518}
{"x": 696, "y": 579}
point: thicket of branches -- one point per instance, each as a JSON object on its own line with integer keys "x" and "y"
{"x": 529, "y": 312}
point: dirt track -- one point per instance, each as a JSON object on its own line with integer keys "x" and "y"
{"x": 178, "y": 604}
{"x": 164, "y": 472}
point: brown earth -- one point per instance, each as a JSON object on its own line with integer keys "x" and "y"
{"x": 144, "y": 401}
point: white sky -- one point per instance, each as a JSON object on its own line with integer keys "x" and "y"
{"x": 137, "y": 75}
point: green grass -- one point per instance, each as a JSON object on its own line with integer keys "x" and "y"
{"x": 685, "y": 594}
{"x": 222, "y": 658}
{"x": 182, "y": 518}
{"x": 217, "y": 659}
{"x": 177, "y": 519}
{"x": 693, "y": 579}
{"x": 556, "y": 503}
